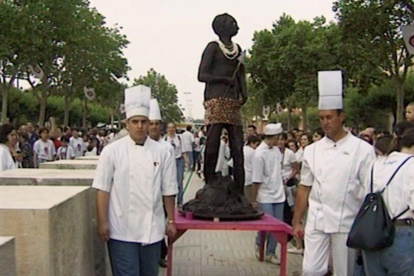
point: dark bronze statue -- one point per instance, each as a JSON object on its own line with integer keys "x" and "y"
{"x": 224, "y": 94}
{"x": 222, "y": 70}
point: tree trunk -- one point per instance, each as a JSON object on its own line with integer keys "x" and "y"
{"x": 112, "y": 118}
{"x": 399, "y": 84}
{"x": 43, "y": 102}
{"x": 5, "y": 101}
{"x": 119, "y": 120}
{"x": 289, "y": 118}
{"x": 304, "y": 117}
{"x": 85, "y": 111}
{"x": 66, "y": 109}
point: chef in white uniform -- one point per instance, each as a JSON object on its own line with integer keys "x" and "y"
{"x": 155, "y": 134}
{"x": 268, "y": 192}
{"x": 334, "y": 171}
{"x": 133, "y": 176}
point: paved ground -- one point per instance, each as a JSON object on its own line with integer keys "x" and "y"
{"x": 221, "y": 253}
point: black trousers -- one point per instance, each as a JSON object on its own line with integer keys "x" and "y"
{"x": 235, "y": 134}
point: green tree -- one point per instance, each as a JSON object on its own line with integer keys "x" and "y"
{"x": 164, "y": 92}
{"x": 373, "y": 28}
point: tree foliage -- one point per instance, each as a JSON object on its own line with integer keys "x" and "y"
{"x": 164, "y": 92}
{"x": 70, "y": 42}
{"x": 372, "y": 30}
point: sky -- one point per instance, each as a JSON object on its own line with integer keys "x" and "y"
{"x": 170, "y": 35}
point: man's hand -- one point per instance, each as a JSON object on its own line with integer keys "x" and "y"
{"x": 171, "y": 231}
{"x": 103, "y": 231}
{"x": 298, "y": 230}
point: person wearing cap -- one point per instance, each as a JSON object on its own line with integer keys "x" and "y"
{"x": 155, "y": 134}
{"x": 268, "y": 193}
{"x": 334, "y": 171}
{"x": 133, "y": 177}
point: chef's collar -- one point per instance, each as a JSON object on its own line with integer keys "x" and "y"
{"x": 330, "y": 143}
{"x": 138, "y": 144}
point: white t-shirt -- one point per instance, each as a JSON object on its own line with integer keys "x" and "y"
{"x": 188, "y": 140}
{"x": 6, "y": 160}
{"x": 197, "y": 147}
{"x": 399, "y": 195}
{"x": 248, "y": 153}
{"x": 65, "y": 153}
{"x": 44, "y": 150}
{"x": 288, "y": 158}
{"x": 299, "y": 155}
{"x": 267, "y": 170}
{"x": 93, "y": 152}
{"x": 177, "y": 144}
{"x": 77, "y": 145}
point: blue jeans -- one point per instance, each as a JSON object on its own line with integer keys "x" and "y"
{"x": 398, "y": 259}
{"x": 180, "y": 176}
{"x": 276, "y": 211}
{"x": 134, "y": 259}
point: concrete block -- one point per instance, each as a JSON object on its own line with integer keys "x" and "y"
{"x": 7, "y": 256}
{"x": 49, "y": 177}
{"x": 88, "y": 157}
{"x": 70, "y": 165}
{"x": 52, "y": 227}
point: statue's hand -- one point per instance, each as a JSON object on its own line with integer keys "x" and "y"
{"x": 229, "y": 81}
{"x": 243, "y": 100}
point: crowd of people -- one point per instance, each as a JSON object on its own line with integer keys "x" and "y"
{"x": 28, "y": 146}
{"x": 314, "y": 181}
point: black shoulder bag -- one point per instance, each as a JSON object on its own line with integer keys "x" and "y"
{"x": 373, "y": 228}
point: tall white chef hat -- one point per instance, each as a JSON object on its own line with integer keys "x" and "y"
{"x": 330, "y": 90}
{"x": 273, "y": 129}
{"x": 137, "y": 101}
{"x": 155, "y": 113}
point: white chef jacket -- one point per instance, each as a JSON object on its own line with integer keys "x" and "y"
{"x": 400, "y": 193}
{"x": 6, "y": 160}
{"x": 267, "y": 170}
{"x": 188, "y": 140}
{"x": 337, "y": 173}
{"x": 248, "y": 152}
{"x": 136, "y": 178}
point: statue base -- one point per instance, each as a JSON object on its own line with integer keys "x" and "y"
{"x": 221, "y": 199}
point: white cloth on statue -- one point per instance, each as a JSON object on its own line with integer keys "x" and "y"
{"x": 6, "y": 160}
{"x": 337, "y": 173}
{"x": 400, "y": 193}
{"x": 136, "y": 178}
{"x": 248, "y": 153}
{"x": 78, "y": 146}
{"x": 267, "y": 170}
{"x": 223, "y": 159}
{"x": 320, "y": 246}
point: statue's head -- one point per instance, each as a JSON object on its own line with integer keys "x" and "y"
{"x": 225, "y": 25}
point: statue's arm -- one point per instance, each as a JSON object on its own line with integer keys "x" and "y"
{"x": 204, "y": 74}
{"x": 242, "y": 84}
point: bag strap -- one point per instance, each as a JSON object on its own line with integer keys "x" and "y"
{"x": 391, "y": 178}
{"x": 400, "y": 214}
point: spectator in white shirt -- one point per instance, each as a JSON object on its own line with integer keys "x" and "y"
{"x": 44, "y": 148}
{"x": 248, "y": 151}
{"x": 65, "y": 151}
{"x": 77, "y": 143}
{"x": 188, "y": 145}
